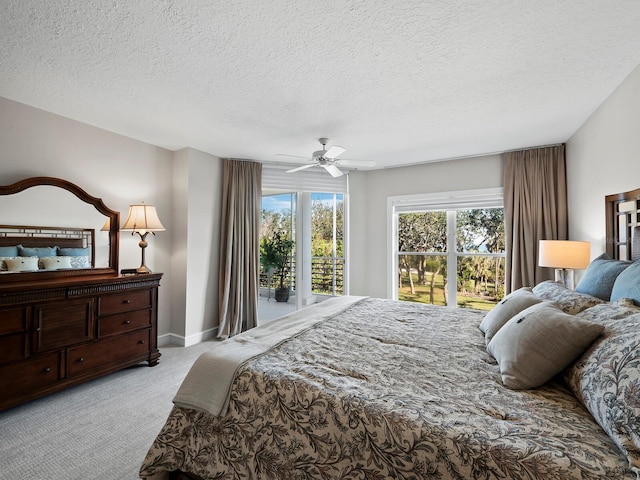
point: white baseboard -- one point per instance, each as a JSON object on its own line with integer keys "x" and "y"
{"x": 181, "y": 341}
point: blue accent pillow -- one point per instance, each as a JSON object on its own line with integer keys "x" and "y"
{"x": 36, "y": 251}
{"x": 73, "y": 252}
{"x": 9, "y": 251}
{"x": 627, "y": 285}
{"x": 600, "y": 276}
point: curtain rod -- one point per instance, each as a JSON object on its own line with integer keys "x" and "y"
{"x": 499, "y": 152}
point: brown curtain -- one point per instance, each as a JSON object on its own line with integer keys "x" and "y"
{"x": 535, "y": 208}
{"x": 239, "y": 247}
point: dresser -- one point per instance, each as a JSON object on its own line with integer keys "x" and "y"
{"x": 62, "y": 332}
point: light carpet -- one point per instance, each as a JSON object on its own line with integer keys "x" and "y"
{"x": 98, "y": 430}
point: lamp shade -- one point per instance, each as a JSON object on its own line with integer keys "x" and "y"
{"x": 564, "y": 254}
{"x": 143, "y": 218}
{"x": 107, "y": 225}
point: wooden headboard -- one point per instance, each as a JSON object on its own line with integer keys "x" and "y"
{"x": 29, "y": 236}
{"x": 623, "y": 225}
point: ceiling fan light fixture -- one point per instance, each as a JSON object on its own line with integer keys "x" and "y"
{"x": 328, "y": 159}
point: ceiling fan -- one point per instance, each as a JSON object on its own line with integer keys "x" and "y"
{"x": 328, "y": 159}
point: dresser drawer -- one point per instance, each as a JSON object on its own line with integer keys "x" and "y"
{"x": 13, "y": 347}
{"x": 124, "y": 302}
{"x": 123, "y": 322}
{"x": 62, "y": 324}
{"x": 87, "y": 357}
{"x": 29, "y": 375}
{"x": 13, "y": 320}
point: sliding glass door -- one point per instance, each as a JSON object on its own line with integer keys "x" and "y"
{"x": 315, "y": 222}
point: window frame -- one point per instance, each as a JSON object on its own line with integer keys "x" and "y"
{"x": 447, "y": 201}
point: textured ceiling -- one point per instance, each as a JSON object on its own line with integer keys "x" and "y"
{"x": 394, "y": 81}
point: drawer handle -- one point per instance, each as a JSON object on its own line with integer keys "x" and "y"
{"x": 141, "y": 342}
{"x": 47, "y": 370}
{"x": 127, "y": 301}
{"x": 81, "y": 359}
{"x": 127, "y": 322}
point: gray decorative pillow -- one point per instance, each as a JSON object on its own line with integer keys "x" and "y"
{"x": 606, "y": 379}
{"x": 569, "y": 300}
{"x": 538, "y": 343}
{"x": 627, "y": 284}
{"x": 508, "y": 307}
{"x": 600, "y": 276}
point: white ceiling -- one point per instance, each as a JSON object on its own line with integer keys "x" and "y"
{"x": 394, "y": 81}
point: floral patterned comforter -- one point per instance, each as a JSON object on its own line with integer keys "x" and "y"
{"x": 386, "y": 390}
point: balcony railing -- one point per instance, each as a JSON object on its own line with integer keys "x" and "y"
{"x": 327, "y": 276}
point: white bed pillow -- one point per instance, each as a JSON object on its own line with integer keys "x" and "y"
{"x": 22, "y": 264}
{"x": 507, "y": 308}
{"x": 3, "y": 263}
{"x": 538, "y": 343}
{"x": 55, "y": 263}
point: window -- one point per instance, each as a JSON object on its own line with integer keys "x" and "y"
{"x": 448, "y": 249}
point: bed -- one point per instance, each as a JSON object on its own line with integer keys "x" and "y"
{"x": 366, "y": 388}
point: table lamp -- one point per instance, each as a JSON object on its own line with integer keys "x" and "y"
{"x": 143, "y": 219}
{"x": 564, "y": 256}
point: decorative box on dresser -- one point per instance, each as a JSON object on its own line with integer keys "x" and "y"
{"x": 64, "y": 331}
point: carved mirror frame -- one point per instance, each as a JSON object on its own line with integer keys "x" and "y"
{"x": 114, "y": 232}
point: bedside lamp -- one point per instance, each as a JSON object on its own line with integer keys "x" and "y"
{"x": 564, "y": 256}
{"x": 143, "y": 219}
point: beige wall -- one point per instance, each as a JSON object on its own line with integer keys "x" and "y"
{"x": 182, "y": 185}
{"x": 368, "y": 193}
{"x": 603, "y": 157}
{"x": 196, "y": 238}
{"x": 203, "y": 244}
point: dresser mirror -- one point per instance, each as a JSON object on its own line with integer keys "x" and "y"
{"x": 70, "y": 232}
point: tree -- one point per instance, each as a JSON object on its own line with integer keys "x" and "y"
{"x": 322, "y": 227}
{"x": 327, "y": 251}
{"x": 275, "y": 252}
{"x": 482, "y": 230}
{"x": 422, "y": 232}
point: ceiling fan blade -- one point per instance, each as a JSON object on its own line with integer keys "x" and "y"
{"x": 357, "y": 163}
{"x": 333, "y": 170}
{"x": 333, "y": 152}
{"x": 303, "y": 167}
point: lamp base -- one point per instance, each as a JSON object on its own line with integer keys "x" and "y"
{"x": 142, "y": 244}
{"x": 566, "y": 276}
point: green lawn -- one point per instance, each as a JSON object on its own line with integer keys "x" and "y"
{"x": 422, "y": 296}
